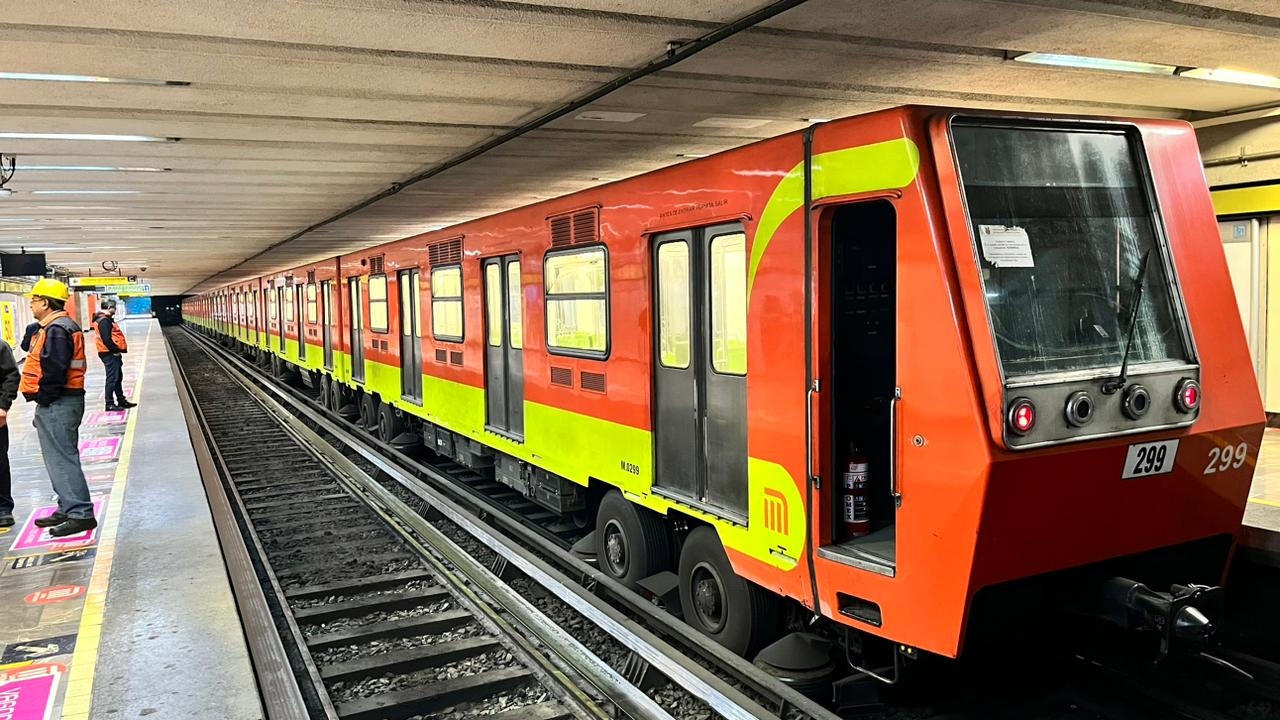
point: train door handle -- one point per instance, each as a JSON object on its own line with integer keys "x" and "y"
{"x": 895, "y": 477}
{"x": 808, "y": 434}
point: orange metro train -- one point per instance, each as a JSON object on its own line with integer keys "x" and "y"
{"x": 1022, "y": 327}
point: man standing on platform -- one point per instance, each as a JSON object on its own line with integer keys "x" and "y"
{"x": 111, "y": 345}
{"x": 53, "y": 376}
{"x": 8, "y": 391}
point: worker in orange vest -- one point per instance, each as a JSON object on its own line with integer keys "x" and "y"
{"x": 111, "y": 345}
{"x": 53, "y": 377}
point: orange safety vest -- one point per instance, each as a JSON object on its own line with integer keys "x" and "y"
{"x": 31, "y": 370}
{"x": 117, "y": 336}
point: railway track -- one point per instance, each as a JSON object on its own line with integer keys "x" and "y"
{"x": 1077, "y": 689}
{"x": 347, "y": 543}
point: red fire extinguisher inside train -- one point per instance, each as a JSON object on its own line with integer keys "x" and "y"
{"x": 856, "y": 516}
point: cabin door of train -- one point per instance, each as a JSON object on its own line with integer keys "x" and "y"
{"x": 410, "y": 336}
{"x": 504, "y": 345}
{"x": 300, "y": 313}
{"x": 700, "y": 368}
{"x": 326, "y": 321}
{"x": 356, "y": 306}
{"x": 280, "y": 317}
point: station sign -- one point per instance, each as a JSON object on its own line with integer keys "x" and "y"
{"x": 104, "y": 281}
{"x": 134, "y": 289}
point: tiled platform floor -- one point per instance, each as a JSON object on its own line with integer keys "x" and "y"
{"x": 135, "y": 619}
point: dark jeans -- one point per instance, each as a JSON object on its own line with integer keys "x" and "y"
{"x": 58, "y": 427}
{"x": 115, "y": 378}
{"x": 6, "y": 481}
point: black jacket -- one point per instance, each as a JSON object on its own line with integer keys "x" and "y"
{"x": 28, "y": 334}
{"x": 9, "y": 376}
{"x": 104, "y": 322}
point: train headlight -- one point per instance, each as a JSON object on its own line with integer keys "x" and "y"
{"x": 1079, "y": 409}
{"x": 1136, "y": 403}
{"x": 1187, "y": 396}
{"x": 1022, "y": 416}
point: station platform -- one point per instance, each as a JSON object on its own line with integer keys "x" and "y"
{"x": 136, "y": 618}
{"x": 1263, "y": 511}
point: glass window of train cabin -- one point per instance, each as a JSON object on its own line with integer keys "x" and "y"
{"x": 493, "y": 303}
{"x": 378, "y": 321}
{"x": 417, "y": 305}
{"x": 729, "y": 304}
{"x": 673, "y": 304}
{"x": 406, "y": 305}
{"x": 577, "y": 302}
{"x": 288, "y": 305}
{"x": 446, "y": 303}
{"x": 271, "y": 306}
{"x": 515, "y": 306}
{"x": 1062, "y": 221}
{"x": 313, "y": 312}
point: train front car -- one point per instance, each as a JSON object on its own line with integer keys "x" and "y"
{"x": 1041, "y": 405}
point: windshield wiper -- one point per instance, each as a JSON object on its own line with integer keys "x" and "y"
{"x": 1109, "y": 387}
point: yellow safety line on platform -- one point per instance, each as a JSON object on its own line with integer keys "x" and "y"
{"x": 1263, "y": 501}
{"x": 75, "y": 704}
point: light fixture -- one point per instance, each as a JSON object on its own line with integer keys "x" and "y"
{"x": 92, "y": 168}
{"x": 732, "y": 123}
{"x": 815, "y": 120}
{"x": 1093, "y": 63}
{"x": 692, "y": 155}
{"x": 84, "y": 192}
{"x": 1021, "y": 416}
{"x": 5, "y": 192}
{"x": 608, "y": 116}
{"x": 84, "y": 136}
{"x": 1236, "y": 77}
{"x": 54, "y": 77}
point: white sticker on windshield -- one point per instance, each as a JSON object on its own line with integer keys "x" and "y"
{"x": 1005, "y": 246}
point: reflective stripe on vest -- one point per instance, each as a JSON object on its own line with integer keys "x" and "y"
{"x": 32, "y": 372}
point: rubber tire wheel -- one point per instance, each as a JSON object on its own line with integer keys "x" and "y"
{"x": 748, "y": 613}
{"x": 646, "y": 541}
{"x": 326, "y": 392}
{"x": 389, "y": 424}
{"x": 335, "y": 396}
{"x": 369, "y": 412}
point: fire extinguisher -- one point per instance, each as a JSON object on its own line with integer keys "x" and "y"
{"x": 857, "y": 475}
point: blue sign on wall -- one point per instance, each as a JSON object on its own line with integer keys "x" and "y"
{"x": 139, "y": 306}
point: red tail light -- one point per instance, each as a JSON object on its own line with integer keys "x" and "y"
{"x": 1022, "y": 416}
{"x": 1187, "y": 397}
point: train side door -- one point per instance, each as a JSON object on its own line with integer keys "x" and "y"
{"x": 355, "y": 293}
{"x": 300, "y": 312}
{"x": 504, "y": 345}
{"x": 326, "y": 321}
{"x": 410, "y": 336}
{"x": 700, "y": 365}
{"x": 281, "y": 315}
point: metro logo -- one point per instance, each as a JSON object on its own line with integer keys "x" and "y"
{"x": 775, "y": 512}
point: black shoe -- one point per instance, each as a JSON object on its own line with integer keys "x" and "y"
{"x": 114, "y": 408}
{"x": 54, "y": 519}
{"x": 6, "y": 519}
{"x": 73, "y": 526}
{"x": 126, "y": 404}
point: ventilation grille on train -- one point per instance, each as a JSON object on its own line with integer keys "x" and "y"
{"x": 446, "y": 252}
{"x": 592, "y": 381}
{"x": 311, "y": 277}
{"x": 561, "y": 376}
{"x": 377, "y": 265}
{"x": 576, "y": 228}
{"x": 455, "y": 358}
{"x": 441, "y": 355}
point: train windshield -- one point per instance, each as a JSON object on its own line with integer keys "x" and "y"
{"x": 1061, "y": 222}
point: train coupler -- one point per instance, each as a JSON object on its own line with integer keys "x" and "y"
{"x": 1185, "y": 615}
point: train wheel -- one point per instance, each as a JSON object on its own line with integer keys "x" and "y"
{"x": 368, "y": 411}
{"x": 721, "y": 605}
{"x": 390, "y": 424}
{"x": 632, "y": 542}
{"x": 326, "y": 393}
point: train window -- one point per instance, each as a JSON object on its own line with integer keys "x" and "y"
{"x": 515, "y": 306}
{"x": 378, "y": 321}
{"x": 406, "y": 305}
{"x": 417, "y": 305}
{"x": 577, "y": 301}
{"x": 493, "y": 302}
{"x": 673, "y": 304}
{"x": 1062, "y": 223}
{"x": 271, "y": 306}
{"x": 446, "y": 303}
{"x": 288, "y": 306}
{"x": 729, "y": 304}
{"x": 313, "y": 314}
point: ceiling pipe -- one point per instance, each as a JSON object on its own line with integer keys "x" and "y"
{"x": 677, "y": 51}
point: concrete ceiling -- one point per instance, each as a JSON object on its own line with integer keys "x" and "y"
{"x": 284, "y": 114}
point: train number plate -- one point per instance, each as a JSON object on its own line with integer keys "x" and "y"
{"x": 1150, "y": 459}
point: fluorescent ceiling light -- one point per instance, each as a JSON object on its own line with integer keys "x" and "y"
{"x": 608, "y": 116}
{"x": 692, "y": 155}
{"x": 16, "y": 220}
{"x": 54, "y": 77}
{"x": 815, "y": 120}
{"x": 1238, "y": 77}
{"x": 83, "y": 136}
{"x": 91, "y": 168}
{"x": 1092, "y": 63}
{"x": 84, "y": 192}
{"x": 730, "y": 122}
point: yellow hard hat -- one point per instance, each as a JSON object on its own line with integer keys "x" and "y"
{"x": 50, "y": 288}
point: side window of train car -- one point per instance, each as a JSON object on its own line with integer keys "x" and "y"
{"x": 272, "y": 311}
{"x": 729, "y": 304}
{"x": 378, "y": 321}
{"x": 446, "y": 303}
{"x": 576, "y": 287}
{"x": 674, "y": 333}
{"x": 313, "y": 315}
{"x": 288, "y": 305}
